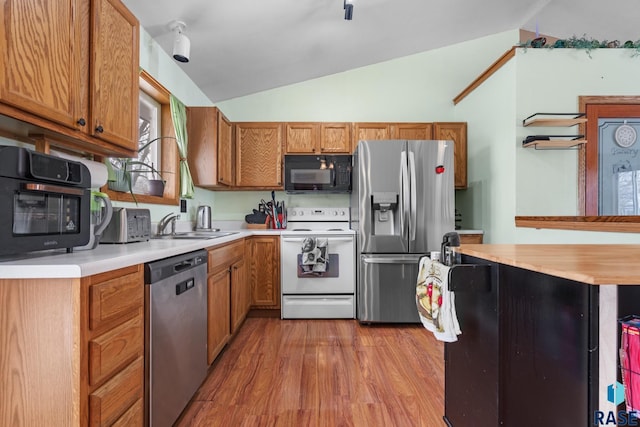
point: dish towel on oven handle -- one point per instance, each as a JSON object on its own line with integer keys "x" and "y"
{"x": 314, "y": 255}
{"x": 435, "y": 302}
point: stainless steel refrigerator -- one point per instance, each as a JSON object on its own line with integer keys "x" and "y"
{"x": 402, "y": 203}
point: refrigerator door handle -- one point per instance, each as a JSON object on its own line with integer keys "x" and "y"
{"x": 391, "y": 260}
{"x": 413, "y": 201}
{"x": 404, "y": 218}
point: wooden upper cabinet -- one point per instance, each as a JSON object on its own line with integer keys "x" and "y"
{"x": 457, "y": 132}
{"x": 302, "y": 138}
{"x": 317, "y": 138}
{"x": 41, "y": 47}
{"x": 370, "y": 131}
{"x": 226, "y": 175}
{"x": 114, "y": 73}
{"x": 412, "y": 131}
{"x": 210, "y": 153}
{"x": 335, "y": 138}
{"x": 259, "y": 155}
{"x": 71, "y": 67}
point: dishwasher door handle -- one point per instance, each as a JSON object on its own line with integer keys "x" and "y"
{"x": 184, "y": 265}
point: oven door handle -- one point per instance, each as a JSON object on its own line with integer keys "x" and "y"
{"x": 331, "y": 239}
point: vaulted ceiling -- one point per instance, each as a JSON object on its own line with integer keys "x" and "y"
{"x": 239, "y": 47}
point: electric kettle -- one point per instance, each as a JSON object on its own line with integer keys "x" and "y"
{"x": 101, "y": 212}
{"x": 203, "y": 218}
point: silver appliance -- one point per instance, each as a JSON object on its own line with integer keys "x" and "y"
{"x": 128, "y": 225}
{"x": 402, "y": 204}
{"x": 203, "y": 218}
{"x": 175, "y": 334}
{"x": 306, "y": 292}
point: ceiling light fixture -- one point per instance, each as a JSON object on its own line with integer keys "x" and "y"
{"x": 348, "y": 9}
{"x": 181, "y": 43}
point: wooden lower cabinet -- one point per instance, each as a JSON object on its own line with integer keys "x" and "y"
{"x": 112, "y": 326}
{"x": 264, "y": 271}
{"x": 62, "y": 369}
{"x": 228, "y": 295}
{"x": 218, "y": 316}
{"x": 240, "y": 295}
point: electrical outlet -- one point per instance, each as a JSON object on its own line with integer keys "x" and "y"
{"x": 183, "y": 205}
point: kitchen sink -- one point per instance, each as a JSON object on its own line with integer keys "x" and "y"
{"x": 195, "y": 235}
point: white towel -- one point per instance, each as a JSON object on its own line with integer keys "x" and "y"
{"x": 314, "y": 255}
{"x": 435, "y": 302}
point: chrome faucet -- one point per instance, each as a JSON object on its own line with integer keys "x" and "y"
{"x": 169, "y": 218}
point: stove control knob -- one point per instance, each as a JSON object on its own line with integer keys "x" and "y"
{"x": 293, "y": 213}
{"x": 335, "y": 213}
{"x": 342, "y": 213}
{"x": 301, "y": 213}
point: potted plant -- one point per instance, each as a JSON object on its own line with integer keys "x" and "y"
{"x": 131, "y": 174}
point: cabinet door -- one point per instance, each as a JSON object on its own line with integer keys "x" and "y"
{"x": 301, "y": 138}
{"x": 259, "y": 155}
{"x": 412, "y": 131}
{"x": 114, "y": 91}
{"x": 238, "y": 295}
{"x": 264, "y": 271}
{"x": 369, "y": 131}
{"x": 225, "y": 150}
{"x": 335, "y": 138}
{"x": 458, "y": 133}
{"x": 218, "y": 316}
{"x": 41, "y": 58}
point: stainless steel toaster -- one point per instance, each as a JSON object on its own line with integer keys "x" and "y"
{"x": 128, "y": 225}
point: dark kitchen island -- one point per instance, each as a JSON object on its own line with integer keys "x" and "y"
{"x": 539, "y": 343}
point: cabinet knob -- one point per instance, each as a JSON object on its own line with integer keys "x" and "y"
{"x": 99, "y": 129}
{"x": 81, "y": 121}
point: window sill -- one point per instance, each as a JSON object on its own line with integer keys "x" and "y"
{"x": 619, "y": 224}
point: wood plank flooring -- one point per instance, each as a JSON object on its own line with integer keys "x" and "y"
{"x": 323, "y": 373}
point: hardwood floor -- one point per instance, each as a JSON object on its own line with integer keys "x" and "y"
{"x": 323, "y": 373}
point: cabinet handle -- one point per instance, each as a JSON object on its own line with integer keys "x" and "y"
{"x": 81, "y": 121}
{"x": 99, "y": 129}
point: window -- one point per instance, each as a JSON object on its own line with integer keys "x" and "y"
{"x": 155, "y": 122}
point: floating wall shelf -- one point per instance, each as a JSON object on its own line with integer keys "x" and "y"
{"x": 554, "y": 120}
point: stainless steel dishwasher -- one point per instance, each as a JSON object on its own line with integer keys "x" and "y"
{"x": 175, "y": 334}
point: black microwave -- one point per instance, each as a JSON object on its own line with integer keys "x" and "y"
{"x": 45, "y": 201}
{"x": 307, "y": 173}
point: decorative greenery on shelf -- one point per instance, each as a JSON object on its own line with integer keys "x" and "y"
{"x": 588, "y": 44}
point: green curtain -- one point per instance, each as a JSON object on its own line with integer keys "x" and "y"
{"x": 179, "y": 115}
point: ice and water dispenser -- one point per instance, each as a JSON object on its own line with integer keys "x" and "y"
{"x": 385, "y": 214}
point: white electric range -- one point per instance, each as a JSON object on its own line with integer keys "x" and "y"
{"x": 324, "y": 289}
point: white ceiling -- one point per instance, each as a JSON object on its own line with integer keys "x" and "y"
{"x": 239, "y": 47}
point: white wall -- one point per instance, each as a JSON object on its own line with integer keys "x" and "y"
{"x": 489, "y": 202}
{"x": 529, "y": 181}
{"x": 415, "y": 88}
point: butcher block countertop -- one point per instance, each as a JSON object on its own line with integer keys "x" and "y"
{"x": 591, "y": 264}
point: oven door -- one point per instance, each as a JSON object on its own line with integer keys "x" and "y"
{"x": 338, "y": 276}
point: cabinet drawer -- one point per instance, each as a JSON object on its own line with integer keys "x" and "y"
{"x": 223, "y": 257}
{"x": 134, "y": 417}
{"x": 114, "y": 298}
{"x": 114, "y": 399}
{"x": 114, "y": 349}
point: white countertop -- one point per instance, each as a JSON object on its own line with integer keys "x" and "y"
{"x": 106, "y": 257}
